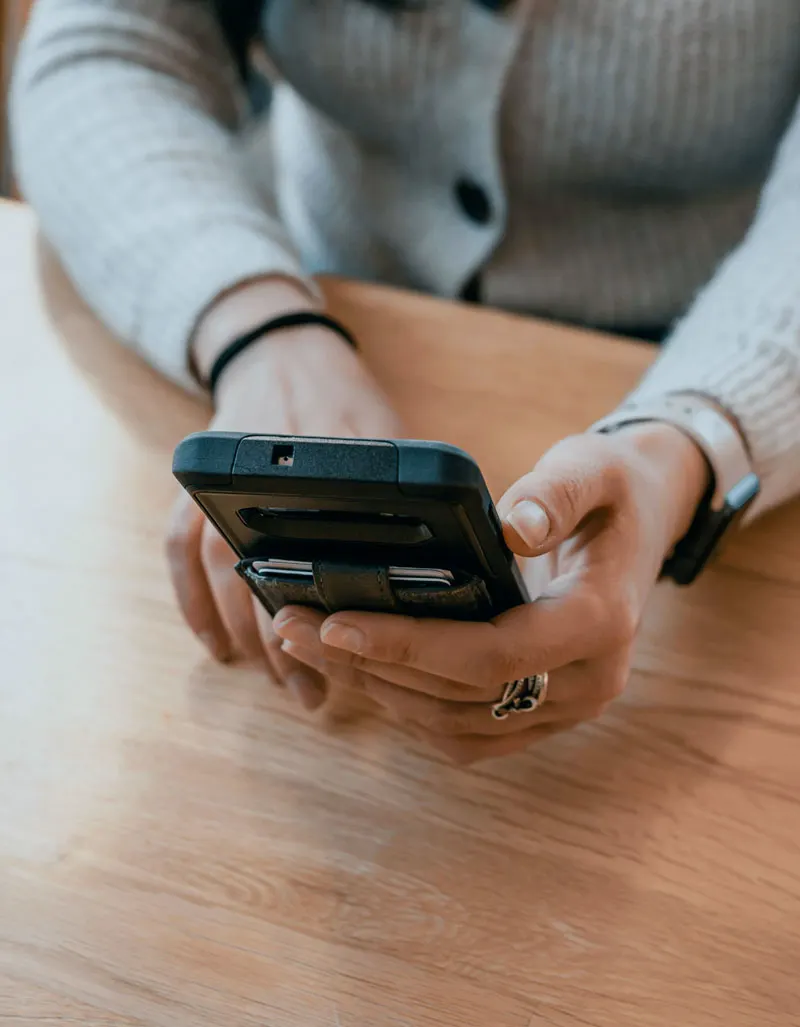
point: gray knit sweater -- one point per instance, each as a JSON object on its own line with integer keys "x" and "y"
{"x": 616, "y": 162}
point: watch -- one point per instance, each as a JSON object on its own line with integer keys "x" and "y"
{"x": 734, "y": 483}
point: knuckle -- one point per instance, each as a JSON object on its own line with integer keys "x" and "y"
{"x": 613, "y": 687}
{"x": 622, "y": 619}
{"x": 398, "y": 652}
{"x": 402, "y": 649}
{"x": 604, "y": 618}
{"x": 569, "y": 500}
{"x": 501, "y": 665}
{"x": 398, "y": 649}
{"x": 596, "y": 608}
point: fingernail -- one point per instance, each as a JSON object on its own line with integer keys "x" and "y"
{"x": 219, "y": 651}
{"x": 299, "y": 631}
{"x": 530, "y": 521}
{"x": 308, "y": 692}
{"x": 342, "y": 636}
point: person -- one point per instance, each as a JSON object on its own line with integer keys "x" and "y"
{"x": 630, "y": 166}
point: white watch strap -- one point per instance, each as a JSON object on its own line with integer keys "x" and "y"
{"x": 702, "y": 421}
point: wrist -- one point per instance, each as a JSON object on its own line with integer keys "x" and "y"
{"x": 674, "y": 466}
{"x": 239, "y": 311}
{"x": 695, "y": 520}
{"x": 289, "y": 359}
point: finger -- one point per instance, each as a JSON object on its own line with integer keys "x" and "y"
{"x": 565, "y": 687}
{"x": 582, "y": 691}
{"x": 466, "y": 750}
{"x": 305, "y": 685}
{"x": 284, "y": 667}
{"x": 341, "y": 681}
{"x": 407, "y": 678}
{"x": 577, "y": 693}
{"x": 301, "y": 626}
{"x": 333, "y": 662}
{"x": 300, "y": 631}
{"x": 270, "y": 642}
{"x": 570, "y": 622}
{"x": 576, "y": 478}
{"x": 232, "y": 597}
{"x": 189, "y": 579}
{"x": 459, "y": 718}
{"x": 307, "y": 657}
{"x": 303, "y": 681}
{"x": 455, "y": 728}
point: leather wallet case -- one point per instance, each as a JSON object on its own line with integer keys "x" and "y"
{"x": 340, "y": 586}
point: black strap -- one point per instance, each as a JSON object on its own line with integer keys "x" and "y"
{"x": 343, "y": 586}
{"x": 297, "y": 320}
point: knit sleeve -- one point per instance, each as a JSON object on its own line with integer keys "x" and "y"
{"x": 124, "y": 116}
{"x": 740, "y": 341}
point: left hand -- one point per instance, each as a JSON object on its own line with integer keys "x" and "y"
{"x": 607, "y": 510}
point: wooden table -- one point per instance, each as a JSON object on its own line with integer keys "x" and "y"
{"x": 180, "y": 846}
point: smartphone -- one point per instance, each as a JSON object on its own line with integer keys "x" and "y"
{"x": 380, "y": 525}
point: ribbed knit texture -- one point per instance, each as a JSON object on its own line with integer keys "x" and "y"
{"x": 641, "y": 161}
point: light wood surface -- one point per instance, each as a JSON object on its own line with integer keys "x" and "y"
{"x": 180, "y": 847}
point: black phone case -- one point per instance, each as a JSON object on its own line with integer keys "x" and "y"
{"x": 353, "y": 509}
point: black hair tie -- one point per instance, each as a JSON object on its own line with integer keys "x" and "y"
{"x": 275, "y": 324}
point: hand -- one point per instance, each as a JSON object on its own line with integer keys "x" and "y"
{"x": 299, "y": 382}
{"x": 606, "y": 510}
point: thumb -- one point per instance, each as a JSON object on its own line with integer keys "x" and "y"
{"x": 582, "y": 474}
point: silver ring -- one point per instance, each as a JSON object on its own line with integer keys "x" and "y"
{"x": 523, "y": 696}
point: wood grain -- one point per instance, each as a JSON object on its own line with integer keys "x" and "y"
{"x": 180, "y": 846}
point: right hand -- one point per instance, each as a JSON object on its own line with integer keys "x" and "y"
{"x": 303, "y": 381}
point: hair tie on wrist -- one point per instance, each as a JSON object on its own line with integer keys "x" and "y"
{"x": 299, "y": 319}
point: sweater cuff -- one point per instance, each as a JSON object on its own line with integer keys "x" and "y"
{"x": 212, "y": 262}
{"x": 759, "y": 384}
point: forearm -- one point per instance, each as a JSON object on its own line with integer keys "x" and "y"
{"x": 123, "y": 117}
{"x": 740, "y": 345}
{"x": 740, "y": 341}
